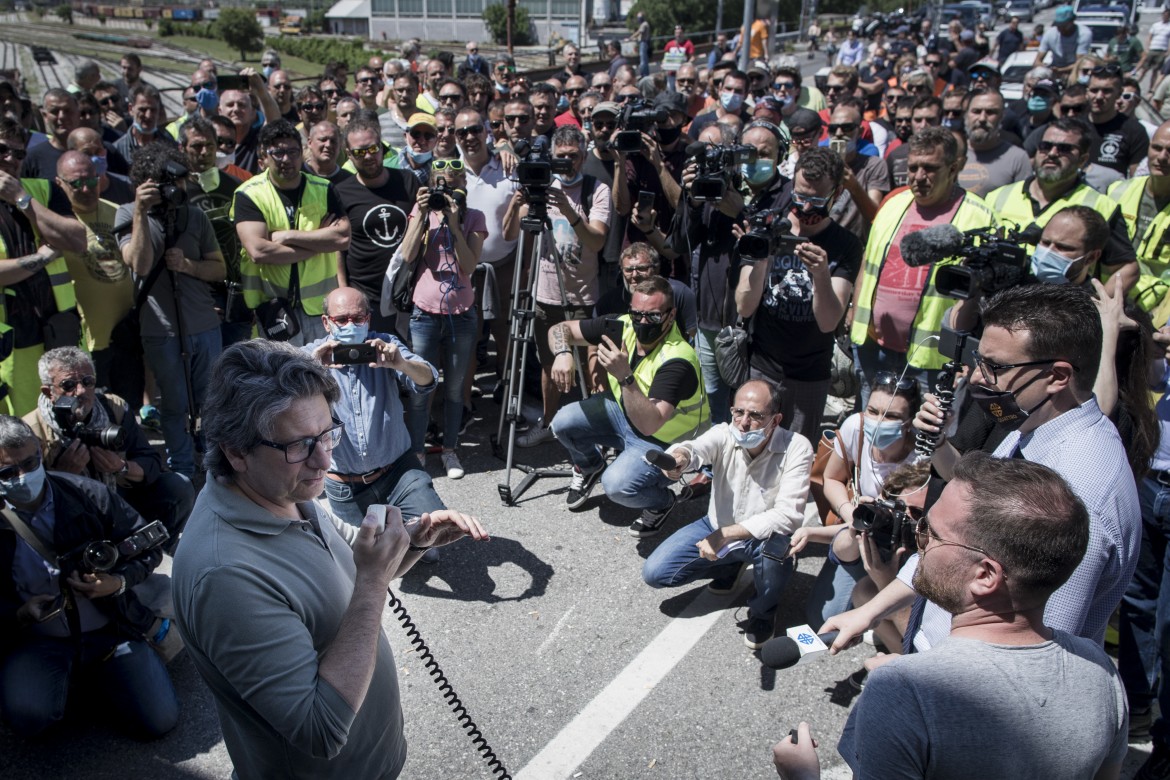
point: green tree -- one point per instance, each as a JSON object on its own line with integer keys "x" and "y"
{"x": 496, "y": 17}
{"x": 64, "y": 13}
{"x": 238, "y": 28}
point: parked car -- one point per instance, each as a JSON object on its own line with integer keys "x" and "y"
{"x": 1022, "y": 9}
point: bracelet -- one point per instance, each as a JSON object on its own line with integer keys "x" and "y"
{"x": 122, "y": 589}
{"x": 837, "y": 509}
{"x": 563, "y": 352}
{"x": 575, "y": 224}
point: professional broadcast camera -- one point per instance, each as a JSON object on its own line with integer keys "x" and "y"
{"x": 715, "y": 166}
{"x": 887, "y": 522}
{"x": 637, "y": 117}
{"x": 103, "y": 555}
{"x": 65, "y": 414}
{"x": 769, "y": 233}
{"x": 993, "y": 259}
{"x": 534, "y": 174}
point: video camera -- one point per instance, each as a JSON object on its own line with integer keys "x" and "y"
{"x": 715, "y": 164}
{"x": 103, "y": 555}
{"x": 769, "y": 233}
{"x": 887, "y": 522}
{"x": 993, "y": 259}
{"x": 637, "y": 117}
{"x": 65, "y": 414}
{"x": 534, "y": 174}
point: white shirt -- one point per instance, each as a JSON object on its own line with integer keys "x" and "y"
{"x": 1160, "y": 36}
{"x": 490, "y": 192}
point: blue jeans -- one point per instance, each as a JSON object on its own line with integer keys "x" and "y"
{"x": 598, "y": 421}
{"x": 832, "y": 592}
{"x": 166, "y": 361}
{"x": 404, "y": 485}
{"x": 871, "y": 358}
{"x": 718, "y": 392}
{"x": 1144, "y": 629}
{"x": 131, "y": 682}
{"x": 453, "y": 337}
{"x": 677, "y": 562}
{"x": 644, "y": 58}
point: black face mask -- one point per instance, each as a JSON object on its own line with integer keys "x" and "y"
{"x": 813, "y": 215}
{"x": 1002, "y": 404}
{"x": 668, "y": 135}
{"x": 649, "y": 332}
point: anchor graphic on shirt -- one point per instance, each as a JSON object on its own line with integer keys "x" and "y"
{"x": 384, "y": 225}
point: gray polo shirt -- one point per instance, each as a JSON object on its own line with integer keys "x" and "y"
{"x": 258, "y": 600}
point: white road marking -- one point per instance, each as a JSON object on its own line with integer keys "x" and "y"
{"x": 556, "y": 630}
{"x": 593, "y": 724}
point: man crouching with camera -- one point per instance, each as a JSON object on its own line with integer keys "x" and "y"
{"x": 87, "y": 432}
{"x": 71, "y": 552}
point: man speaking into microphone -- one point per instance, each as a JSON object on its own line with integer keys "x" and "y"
{"x": 897, "y": 308}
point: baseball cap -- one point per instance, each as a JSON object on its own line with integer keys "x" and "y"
{"x": 421, "y": 118}
{"x": 984, "y": 65}
{"x": 1064, "y": 14}
{"x": 607, "y": 107}
{"x": 671, "y": 101}
{"x": 967, "y": 35}
{"x": 769, "y": 103}
{"x": 759, "y": 66}
{"x": 1046, "y": 85}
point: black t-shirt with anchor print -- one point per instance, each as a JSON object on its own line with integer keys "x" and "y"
{"x": 377, "y": 222}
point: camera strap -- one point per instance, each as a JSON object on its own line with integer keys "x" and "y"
{"x": 151, "y": 278}
{"x": 29, "y": 536}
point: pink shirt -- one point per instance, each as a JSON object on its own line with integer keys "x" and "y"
{"x": 442, "y": 286}
{"x": 900, "y": 287}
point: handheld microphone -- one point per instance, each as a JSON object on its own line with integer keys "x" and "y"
{"x": 931, "y": 245}
{"x": 784, "y": 651}
{"x": 659, "y": 459}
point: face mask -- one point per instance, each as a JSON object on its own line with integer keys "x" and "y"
{"x": 749, "y": 440}
{"x": 587, "y": 128}
{"x": 350, "y": 332}
{"x": 1082, "y": 80}
{"x": 1051, "y": 267}
{"x": 422, "y": 158}
{"x": 1002, "y": 404}
{"x": 208, "y": 99}
{"x": 224, "y": 159}
{"x": 884, "y": 434}
{"x": 569, "y": 181}
{"x": 786, "y": 101}
{"x": 668, "y": 135}
{"x": 731, "y": 101}
{"x": 759, "y": 172}
{"x": 268, "y": 70}
{"x": 648, "y": 332}
{"x": 562, "y": 104}
{"x": 25, "y": 488}
{"x": 139, "y": 128}
{"x": 1038, "y": 104}
{"x": 100, "y": 165}
{"x": 953, "y": 123}
{"x": 208, "y": 179}
{"x": 813, "y": 215}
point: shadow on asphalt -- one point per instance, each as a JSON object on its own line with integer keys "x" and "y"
{"x": 466, "y": 573}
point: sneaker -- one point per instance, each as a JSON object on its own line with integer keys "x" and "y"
{"x": 536, "y": 435}
{"x": 430, "y": 556}
{"x": 757, "y": 631}
{"x": 452, "y": 465}
{"x": 151, "y": 418}
{"x": 726, "y": 584}
{"x": 650, "y": 523}
{"x": 582, "y": 485}
{"x": 857, "y": 679}
{"x": 1157, "y": 766}
{"x": 1139, "y": 724}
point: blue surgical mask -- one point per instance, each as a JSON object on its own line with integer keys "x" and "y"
{"x": 1082, "y": 80}
{"x": 421, "y": 158}
{"x": 350, "y": 332}
{"x": 208, "y": 99}
{"x": 99, "y": 164}
{"x": 268, "y": 70}
{"x": 1038, "y": 104}
{"x": 759, "y": 172}
{"x": 884, "y": 434}
{"x": 1051, "y": 267}
{"x": 570, "y": 181}
{"x": 587, "y": 127}
{"x": 562, "y": 104}
{"x": 25, "y": 488}
{"x": 749, "y": 440}
{"x": 731, "y": 101}
{"x": 143, "y": 130}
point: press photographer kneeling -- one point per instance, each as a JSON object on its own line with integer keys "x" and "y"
{"x": 87, "y": 432}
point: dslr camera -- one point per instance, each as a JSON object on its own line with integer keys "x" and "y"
{"x": 637, "y": 117}
{"x": 993, "y": 259}
{"x": 887, "y": 522}
{"x": 65, "y": 414}
{"x": 715, "y": 164}
{"x": 437, "y": 199}
{"x": 103, "y": 555}
{"x": 170, "y": 185}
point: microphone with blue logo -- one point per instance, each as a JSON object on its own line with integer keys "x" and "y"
{"x": 800, "y": 641}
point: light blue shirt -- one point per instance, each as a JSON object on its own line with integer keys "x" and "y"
{"x": 375, "y": 432}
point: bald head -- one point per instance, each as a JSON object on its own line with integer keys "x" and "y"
{"x": 346, "y": 300}
{"x": 83, "y": 138}
{"x": 71, "y": 162}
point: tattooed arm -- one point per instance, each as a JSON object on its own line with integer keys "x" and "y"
{"x": 17, "y": 269}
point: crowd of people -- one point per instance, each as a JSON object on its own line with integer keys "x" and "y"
{"x": 709, "y": 251}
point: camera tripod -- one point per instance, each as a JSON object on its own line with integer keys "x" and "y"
{"x": 521, "y": 331}
{"x": 171, "y": 234}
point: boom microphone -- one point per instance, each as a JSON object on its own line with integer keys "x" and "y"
{"x": 697, "y": 148}
{"x": 784, "y": 651}
{"x": 931, "y": 245}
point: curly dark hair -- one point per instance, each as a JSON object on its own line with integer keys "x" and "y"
{"x": 818, "y": 163}
{"x": 150, "y": 160}
{"x": 280, "y": 130}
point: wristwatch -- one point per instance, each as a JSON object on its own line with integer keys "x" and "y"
{"x": 629, "y": 380}
{"x": 24, "y": 201}
{"x": 125, "y": 471}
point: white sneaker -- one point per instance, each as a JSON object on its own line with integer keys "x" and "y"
{"x": 537, "y": 434}
{"x": 451, "y": 463}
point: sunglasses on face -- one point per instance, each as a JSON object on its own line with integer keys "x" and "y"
{"x": 419, "y": 134}
{"x": 26, "y": 466}
{"x": 653, "y": 317}
{"x": 370, "y": 80}
{"x": 574, "y": 91}
{"x": 812, "y": 200}
{"x": 1064, "y": 150}
{"x": 286, "y": 153}
{"x": 79, "y": 184}
{"x": 1129, "y": 96}
{"x": 464, "y": 132}
{"x": 447, "y": 130}
{"x": 312, "y": 108}
{"x": 113, "y": 101}
{"x": 450, "y": 96}
{"x": 229, "y": 143}
{"x": 69, "y": 385}
{"x": 455, "y": 166}
{"x": 517, "y": 119}
{"x": 787, "y": 86}
{"x": 496, "y": 124}
{"x": 684, "y": 81}
{"x": 844, "y": 127}
{"x": 604, "y": 124}
{"x": 934, "y": 63}
{"x": 1075, "y": 108}
{"x": 14, "y": 152}
{"x": 366, "y": 151}
{"x": 330, "y": 93}
{"x": 835, "y": 88}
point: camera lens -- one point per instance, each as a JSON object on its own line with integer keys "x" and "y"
{"x": 865, "y": 516}
{"x": 99, "y": 556}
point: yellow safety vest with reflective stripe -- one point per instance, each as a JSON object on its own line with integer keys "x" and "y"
{"x": 691, "y": 417}
{"x": 1153, "y": 248}
{"x": 1013, "y": 205}
{"x": 923, "y": 352}
{"x": 318, "y": 274}
{"x": 58, "y": 270}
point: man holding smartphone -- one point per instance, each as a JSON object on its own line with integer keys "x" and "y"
{"x": 372, "y": 463}
{"x": 799, "y": 295}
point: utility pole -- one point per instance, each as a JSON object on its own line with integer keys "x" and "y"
{"x": 749, "y": 13}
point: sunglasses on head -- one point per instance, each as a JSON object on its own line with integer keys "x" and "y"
{"x": 901, "y": 385}
{"x": 1112, "y": 69}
